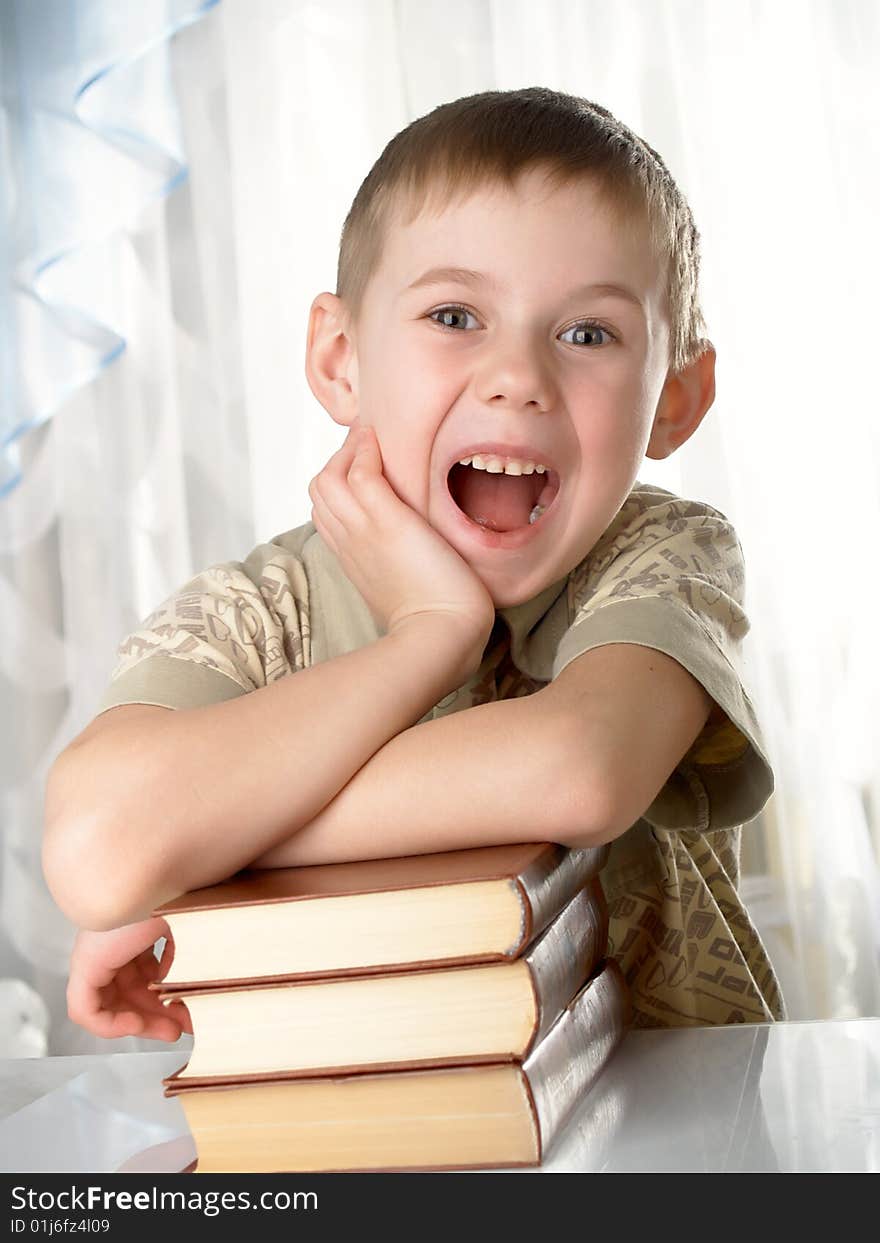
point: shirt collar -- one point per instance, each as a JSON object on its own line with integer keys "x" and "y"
{"x": 536, "y": 627}
{"x": 341, "y": 621}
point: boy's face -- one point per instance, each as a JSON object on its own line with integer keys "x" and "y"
{"x": 517, "y": 372}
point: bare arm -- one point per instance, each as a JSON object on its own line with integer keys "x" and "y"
{"x": 509, "y": 771}
{"x": 577, "y": 763}
{"x": 149, "y": 803}
{"x": 143, "y": 808}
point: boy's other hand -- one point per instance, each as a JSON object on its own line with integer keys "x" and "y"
{"x": 401, "y": 566}
{"x": 107, "y": 992}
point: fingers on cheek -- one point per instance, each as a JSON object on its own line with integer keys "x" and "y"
{"x": 322, "y": 523}
{"x": 317, "y": 504}
{"x": 335, "y": 503}
{"x": 326, "y": 499}
{"x": 359, "y": 479}
{"x": 366, "y": 488}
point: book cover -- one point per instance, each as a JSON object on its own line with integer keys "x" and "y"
{"x": 458, "y": 907}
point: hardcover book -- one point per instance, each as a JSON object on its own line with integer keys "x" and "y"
{"x": 378, "y": 915}
{"x": 479, "y": 1115}
{"x": 486, "y": 1013}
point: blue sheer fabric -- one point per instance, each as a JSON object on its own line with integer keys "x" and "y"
{"x": 89, "y": 132}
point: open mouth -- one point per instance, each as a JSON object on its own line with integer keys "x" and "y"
{"x": 502, "y": 502}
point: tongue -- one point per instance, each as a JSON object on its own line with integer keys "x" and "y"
{"x": 502, "y": 502}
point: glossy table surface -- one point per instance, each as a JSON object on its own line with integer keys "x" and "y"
{"x": 784, "y": 1097}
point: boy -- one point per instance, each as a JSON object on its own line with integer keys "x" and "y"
{"x": 497, "y": 633}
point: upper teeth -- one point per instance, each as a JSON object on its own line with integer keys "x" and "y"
{"x": 497, "y": 465}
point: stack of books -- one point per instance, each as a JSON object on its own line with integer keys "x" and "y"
{"x": 443, "y": 1011}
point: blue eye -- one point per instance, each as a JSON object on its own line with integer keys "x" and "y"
{"x": 589, "y": 326}
{"x": 447, "y": 310}
{"x": 584, "y": 326}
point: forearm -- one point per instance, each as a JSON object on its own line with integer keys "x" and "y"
{"x": 144, "y": 812}
{"x": 499, "y": 772}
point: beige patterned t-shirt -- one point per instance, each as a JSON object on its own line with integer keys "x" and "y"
{"x": 666, "y": 574}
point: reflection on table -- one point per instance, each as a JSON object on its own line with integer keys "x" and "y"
{"x": 765, "y": 1097}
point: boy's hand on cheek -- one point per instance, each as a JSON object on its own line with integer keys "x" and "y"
{"x": 401, "y": 566}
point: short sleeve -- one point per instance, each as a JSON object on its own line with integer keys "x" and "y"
{"x": 669, "y": 574}
{"x": 231, "y": 629}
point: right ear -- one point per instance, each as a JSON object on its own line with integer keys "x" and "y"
{"x": 331, "y": 361}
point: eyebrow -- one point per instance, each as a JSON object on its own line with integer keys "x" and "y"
{"x": 467, "y": 276}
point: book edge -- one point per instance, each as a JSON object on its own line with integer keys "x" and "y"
{"x": 179, "y": 906}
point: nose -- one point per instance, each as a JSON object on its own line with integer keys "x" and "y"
{"x": 514, "y": 374}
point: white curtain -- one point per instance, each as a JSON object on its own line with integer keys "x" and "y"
{"x": 198, "y": 439}
{"x": 126, "y": 461}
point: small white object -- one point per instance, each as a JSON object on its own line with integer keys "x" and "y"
{"x": 24, "y": 1020}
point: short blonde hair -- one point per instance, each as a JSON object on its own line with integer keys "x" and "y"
{"x": 492, "y": 138}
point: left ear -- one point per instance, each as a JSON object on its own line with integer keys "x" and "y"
{"x": 685, "y": 398}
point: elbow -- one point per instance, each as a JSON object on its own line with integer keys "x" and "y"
{"x": 581, "y": 840}
{"x": 86, "y": 891}
{"x": 591, "y": 822}
{"x": 580, "y": 837}
{"x": 586, "y": 812}
{"x": 94, "y": 885}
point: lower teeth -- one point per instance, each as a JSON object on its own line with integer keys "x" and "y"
{"x": 533, "y": 517}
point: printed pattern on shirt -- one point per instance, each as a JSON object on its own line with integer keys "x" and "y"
{"x": 687, "y": 553}
{"x": 685, "y": 942}
{"x": 254, "y": 633}
{"x": 687, "y": 948}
